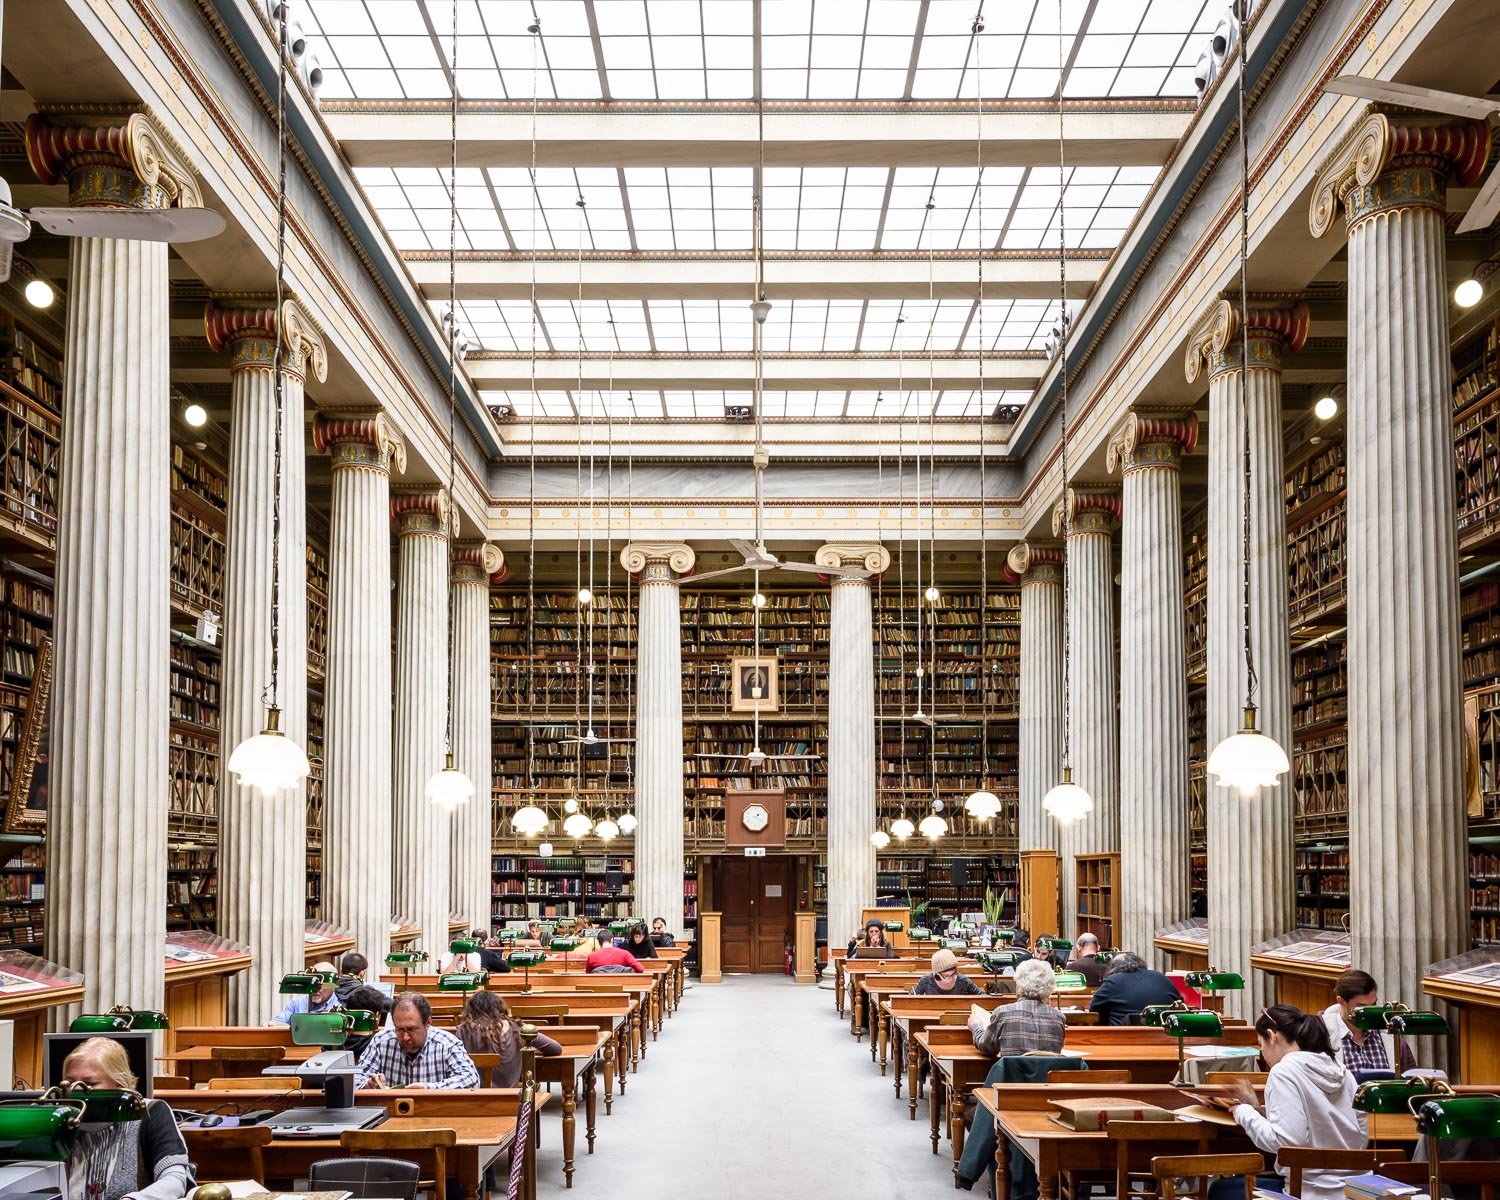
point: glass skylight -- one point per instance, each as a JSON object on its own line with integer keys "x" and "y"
{"x": 714, "y": 405}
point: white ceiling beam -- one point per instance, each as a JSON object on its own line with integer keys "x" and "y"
{"x": 668, "y": 372}
{"x": 395, "y": 134}
{"x": 732, "y": 277}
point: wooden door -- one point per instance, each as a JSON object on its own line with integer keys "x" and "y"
{"x": 756, "y": 898}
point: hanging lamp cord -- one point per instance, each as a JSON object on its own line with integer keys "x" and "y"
{"x": 535, "y": 29}
{"x": 1252, "y": 682}
{"x": 452, "y": 371}
{"x": 272, "y": 697}
{"x": 1062, "y": 289}
{"x": 984, "y": 542}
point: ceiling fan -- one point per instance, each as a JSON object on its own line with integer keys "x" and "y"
{"x": 1486, "y": 206}
{"x": 757, "y": 757}
{"x": 590, "y": 738}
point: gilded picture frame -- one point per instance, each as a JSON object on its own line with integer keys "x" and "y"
{"x": 744, "y": 674}
{"x": 30, "y": 781}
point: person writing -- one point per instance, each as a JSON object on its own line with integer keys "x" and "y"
{"x": 1129, "y": 986}
{"x": 127, "y": 1160}
{"x": 611, "y": 960}
{"x": 1359, "y": 1049}
{"x": 325, "y": 999}
{"x": 1087, "y": 963}
{"x": 944, "y": 978}
{"x": 639, "y": 942}
{"x": 1309, "y": 1100}
{"x": 412, "y": 1054}
{"x": 489, "y": 1028}
{"x": 659, "y": 933}
{"x": 874, "y": 938}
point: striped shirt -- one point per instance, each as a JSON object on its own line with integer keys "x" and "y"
{"x": 1017, "y": 1028}
{"x": 441, "y": 1063}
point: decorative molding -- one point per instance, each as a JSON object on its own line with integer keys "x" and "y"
{"x": 497, "y": 107}
{"x": 1215, "y": 339}
{"x": 677, "y": 556}
{"x": 523, "y": 258}
{"x": 1036, "y": 562}
{"x": 360, "y": 439}
{"x": 248, "y": 332}
{"x": 1351, "y": 176}
{"x": 125, "y": 159}
{"x": 1154, "y": 440}
{"x": 422, "y": 510}
{"x": 478, "y": 562}
{"x": 870, "y": 556}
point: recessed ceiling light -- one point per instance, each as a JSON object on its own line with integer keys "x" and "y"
{"x": 1326, "y": 409}
{"x": 1466, "y": 295}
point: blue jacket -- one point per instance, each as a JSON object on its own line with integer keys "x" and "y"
{"x": 1122, "y": 995}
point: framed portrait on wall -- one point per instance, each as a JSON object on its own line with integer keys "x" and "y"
{"x": 26, "y": 807}
{"x": 755, "y": 685}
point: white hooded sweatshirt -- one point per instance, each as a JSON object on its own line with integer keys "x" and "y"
{"x": 1309, "y": 1102}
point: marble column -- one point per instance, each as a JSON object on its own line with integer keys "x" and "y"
{"x": 424, "y": 522}
{"x": 852, "y": 800}
{"x": 262, "y": 904}
{"x": 1093, "y": 730}
{"x": 107, "y": 758}
{"x": 1250, "y": 883}
{"x": 1039, "y": 567}
{"x": 363, "y": 448}
{"x": 1407, "y": 810}
{"x": 1153, "y": 882}
{"x": 658, "y": 727}
{"x": 472, "y": 832}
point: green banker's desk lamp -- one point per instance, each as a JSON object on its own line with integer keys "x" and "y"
{"x": 920, "y": 933}
{"x": 1051, "y": 943}
{"x": 525, "y": 959}
{"x": 1400, "y": 1022}
{"x": 404, "y": 961}
{"x": 119, "y": 1019}
{"x": 995, "y": 962}
{"x": 1448, "y": 1117}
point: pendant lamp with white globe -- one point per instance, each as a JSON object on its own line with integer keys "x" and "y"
{"x": 1248, "y": 759}
{"x": 880, "y": 839}
{"x": 902, "y": 828}
{"x": 577, "y": 826}
{"x": 628, "y": 823}
{"x": 933, "y": 826}
{"x": 607, "y": 829}
{"x": 529, "y": 820}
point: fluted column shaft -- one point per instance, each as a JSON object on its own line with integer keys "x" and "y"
{"x": 1093, "y": 731}
{"x": 1407, "y": 812}
{"x": 1153, "y": 883}
{"x": 1041, "y": 718}
{"x": 851, "y": 736}
{"x": 472, "y": 832}
{"x": 419, "y": 858}
{"x": 1250, "y": 882}
{"x": 357, "y": 691}
{"x": 262, "y": 903}
{"x": 107, "y": 759}
{"x": 658, "y": 731}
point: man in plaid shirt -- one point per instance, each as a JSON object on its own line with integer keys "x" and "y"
{"x": 1028, "y": 1024}
{"x": 415, "y": 1055}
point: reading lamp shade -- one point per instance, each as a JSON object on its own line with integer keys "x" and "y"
{"x": 982, "y": 804}
{"x": 607, "y": 829}
{"x": 1067, "y": 802}
{"x": 1248, "y": 760}
{"x": 529, "y": 820}
{"x": 270, "y": 761}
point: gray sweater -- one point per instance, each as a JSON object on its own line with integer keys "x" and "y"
{"x": 145, "y": 1159}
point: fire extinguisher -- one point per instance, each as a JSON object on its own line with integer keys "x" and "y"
{"x": 788, "y": 968}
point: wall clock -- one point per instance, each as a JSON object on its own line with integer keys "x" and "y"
{"x": 755, "y": 818}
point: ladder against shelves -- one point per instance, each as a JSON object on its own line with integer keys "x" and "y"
{"x": 1097, "y": 877}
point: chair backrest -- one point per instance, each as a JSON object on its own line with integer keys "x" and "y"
{"x": 1250, "y": 1077}
{"x": 1088, "y": 1077}
{"x": 1485, "y": 1173}
{"x": 535, "y": 1012}
{"x": 171, "y": 1083}
{"x": 254, "y": 1083}
{"x": 1297, "y": 1159}
{"x": 244, "y": 1060}
{"x": 222, "y": 1154}
{"x": 361, "y": 1177}
{"x": 1140, "y": 1143}
{"x": 1169, "y": 1169}
{"x": 1081, "y": 1018}
{"x": 485, "y": 1064}
{"x": 406, "y": 1144}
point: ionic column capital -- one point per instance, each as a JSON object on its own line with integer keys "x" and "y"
{"x": 1386, "y": 164}
{"x": 478, "y": 562}
{"x": 1036, "y": 562}
{"x": 1081, "y": 512}
{"x": 363, "y": 440}
{"x": 1147, "y": 440}
{"x": 658, "y": 562}
{"x": 110, "y": 157}
{"x": 866, "y": 556}
{"x": 1275, "y": 324}
{"x": 247, "y": 327}
{"x": 421, "y": 510}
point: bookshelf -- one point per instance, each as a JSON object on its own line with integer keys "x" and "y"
{"x": 317, "y": 600}
{"x": 23, "y": 891}
{"x": 561, "y": 886}
{"x": 1322, "y": 886}
{"x": 198, "y": 518}
{"x": 690, "y": 892}
{"x": 30, "y": 435}
{"x": 192, "y": 888}
{"x": 33, "y": 363}
{"x": 193, "y": 746}
{"x": 315, "y": 803}
{"x": 1098, "y": 902}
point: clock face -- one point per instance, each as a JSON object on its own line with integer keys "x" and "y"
{"x": 756, "y": 818}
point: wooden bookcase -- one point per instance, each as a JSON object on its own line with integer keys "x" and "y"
{"x": 560, "y": 886}
{"x": 918, "y": 872}
{"x": 1098, "y": 900}
{"x": 317, "y": 664}
{"x": 1041, "y": 893}
{"x": 1322, "y": 887}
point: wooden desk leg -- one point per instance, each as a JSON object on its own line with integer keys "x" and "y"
{"x": 838, "y": 988}
{"x": 1046, "y": 1170}
{"x": 885, "y": 1038}
{"x": 913, "y": 1076}
{"x": 570, "y": 1105}
{"x": 898, "y": 1056}
{"x": 642, "y": 1016}
{"x": 934, "y": 1107}
{"x": 591, "y": 1101}
{"x": 466, "y": 1169}
{"x": 1002, "y": 1167}
{"x": 609, "y": 1076}
{"x": 858, "y": 1011}
{"x": 622, "y": 1054}
{"x": 956, "y": 1125}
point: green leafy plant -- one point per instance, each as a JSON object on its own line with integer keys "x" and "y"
{"x": 918, "y": 907}
{"x": 994, "y": 906}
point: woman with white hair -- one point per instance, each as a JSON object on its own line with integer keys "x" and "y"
{"x": 1028, "y": 1024}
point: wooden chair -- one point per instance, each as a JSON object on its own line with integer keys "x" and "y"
{"x": 538, "y": 1014}
{"x": 1138, "y": 1142}
{"x": 244, "y": 1060}
{"x": 254, "y": 1083}
{"x": 1168, "y": 1169}
{"x": 1297, "y": 1159}
{"x": 172, "y": 1083}
{"x": 1080, "y": 1018}
{"x": 1088, "y": 1077}
{"x": 1250, "y": 1077}
{"x": 222, "y": 1154}
{"x": 407, "y": 1144}
{"x": 486, "y": 1065}
{"x": 1485, "y": 1173}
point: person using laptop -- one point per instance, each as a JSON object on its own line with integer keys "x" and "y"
{"x": 128, "y": 1160}
{"x": 412, "y": 1054}
{"x": 659, "y": 933}
{"x": 325, "y": 999}
{"x": 872, "y": 941}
